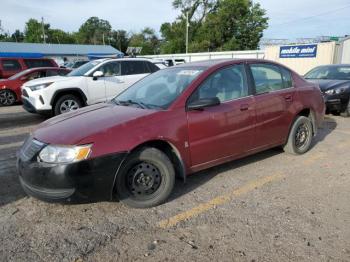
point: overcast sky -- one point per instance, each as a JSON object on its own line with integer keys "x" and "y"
{"x": 288, "y": 19}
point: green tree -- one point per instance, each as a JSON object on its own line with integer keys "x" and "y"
{"x": 119, "y": 40}
{"x": 33, "y": 32}
{"x": 58, "y": 36}
{"x": 147, "y": 39}
{"x": 94, "y": 31}
{"x": 215, "y": 25}
{"x": 17, "y": 36}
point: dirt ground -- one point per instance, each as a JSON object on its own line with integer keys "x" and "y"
{"x": 268, "y": 207}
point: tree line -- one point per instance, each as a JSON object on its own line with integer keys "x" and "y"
{"x": 213, "y": 25}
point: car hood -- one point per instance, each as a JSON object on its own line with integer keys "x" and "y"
{"x": 71, "y": 128}
{"x": 326, "y": 84}
{"x": 49, "y": 79}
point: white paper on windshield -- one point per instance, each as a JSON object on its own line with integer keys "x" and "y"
{"x": 188, "y": 72}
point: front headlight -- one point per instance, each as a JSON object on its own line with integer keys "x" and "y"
{"x": 64, "y": 154}
{"x": 39, "y": 87}
{"x": 335, "y": 91}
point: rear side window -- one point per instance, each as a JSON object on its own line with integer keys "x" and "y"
{"x": 134, "y": 68}
{"x": 31, "y": 63}
{"x": 152, "y": 67}
{"x": 287, "y": 78}
{"x": 10, "y": 65}
{"x": 267, "y": 78}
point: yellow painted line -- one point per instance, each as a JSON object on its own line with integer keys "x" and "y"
{"x": 220, "y": 200}
{"x": 6, "y": 146}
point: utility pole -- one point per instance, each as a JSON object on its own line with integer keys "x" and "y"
{"x": 187, "y": 26}
{"x": 103, "y": 38}
{"x": 43, "y": 28}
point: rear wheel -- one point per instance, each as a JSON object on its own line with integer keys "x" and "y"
{"x": 346, "y": 113}
{"x": 7, "y": 97}
{"x": 146, "y": 179}
{"x": 300, "y": 136}
{"x": 67, "y": 103}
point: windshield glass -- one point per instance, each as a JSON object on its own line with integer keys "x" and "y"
{"x": 18, "y": 75}
{"x": 330, "y": 72}
{"x": 159, "y": 89}
{"x": 80, "y": 71}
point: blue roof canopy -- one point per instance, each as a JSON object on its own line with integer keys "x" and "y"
{"x": 29, "y": 50}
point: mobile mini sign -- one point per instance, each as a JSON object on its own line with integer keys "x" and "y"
{"x": 298, "y": 51}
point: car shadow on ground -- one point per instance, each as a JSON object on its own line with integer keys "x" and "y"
{"x": 198, "y": 179}
{"x": 328, "y": 126}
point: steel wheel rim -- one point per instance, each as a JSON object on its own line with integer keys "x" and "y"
{"x": 302, "y": 136}
{"x": 143, "y": 180}
{"x": 7, "y": 98}
{"x": 68, "y": 106}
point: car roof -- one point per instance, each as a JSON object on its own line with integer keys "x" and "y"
{"x": 218, "y": 62}
{"x": 122, "y": 59}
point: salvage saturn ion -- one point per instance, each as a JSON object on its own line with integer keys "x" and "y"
{"x": 174, "y": 122}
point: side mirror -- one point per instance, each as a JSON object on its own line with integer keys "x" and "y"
{"x": 203, "y": 103}
{"x": 97, "y": 74}
{"x": 23, "y": 78}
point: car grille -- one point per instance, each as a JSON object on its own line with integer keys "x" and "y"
{"x": 30, "y": 148}
{"x": 25, "y": 93}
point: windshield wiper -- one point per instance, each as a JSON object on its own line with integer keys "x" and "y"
{"x": 131, "y": 102}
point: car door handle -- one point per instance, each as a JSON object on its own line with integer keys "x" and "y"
{"x": 244, "y": 107}
{"x": 288, "y": 98}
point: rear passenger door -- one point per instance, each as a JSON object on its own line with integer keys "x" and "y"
{"x": 274, "y": 94}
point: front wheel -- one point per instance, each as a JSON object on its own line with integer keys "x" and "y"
{"x": 300, "y": 136}
{"x": 67, "y": 103}
{"x": 7, "y": 97}
{"x": 346, "y": 112}
{"x": 146, "y": 179}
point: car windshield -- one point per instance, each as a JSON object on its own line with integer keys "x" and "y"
{"x": 159, "y": 89}
{"x": 82, "y": 70}
{"x": 330, "y": 72}
{"x": 20, "y": 74}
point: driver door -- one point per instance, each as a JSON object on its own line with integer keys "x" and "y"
{"x": 227, "y": 130}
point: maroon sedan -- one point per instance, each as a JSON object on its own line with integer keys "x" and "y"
{"x": 10, "y": 89}
{"x": 174, "y": 122}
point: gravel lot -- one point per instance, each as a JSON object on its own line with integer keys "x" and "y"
{"x": 267, "y": 207}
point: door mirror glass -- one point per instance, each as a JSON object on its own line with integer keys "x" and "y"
{"x": 97, "y": 74}
{"x": 203, "y": 103}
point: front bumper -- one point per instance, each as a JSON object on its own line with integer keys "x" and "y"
{"x": 85, "y": 181}
{"x": 337, "y": 102}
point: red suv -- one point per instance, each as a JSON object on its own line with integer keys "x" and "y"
{"x": 10, "y": 89}
{"x": 10, "y": 66}
{"x": 174, "y": 122}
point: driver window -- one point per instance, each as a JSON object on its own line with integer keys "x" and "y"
{"x": 226, "y": 84}
{"x": 111, "y": 69}
{"x": 33, "y": 75}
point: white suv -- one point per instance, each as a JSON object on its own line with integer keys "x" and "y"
{"x": 95, "y": 82}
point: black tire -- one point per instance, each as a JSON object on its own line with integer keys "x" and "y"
{"x": 66, "y": 101}
{"x": 7, "y": 97}
{"x": 346, "y": 112}
{"x": 300, "y": 136}
{"x": 146, "y": 179}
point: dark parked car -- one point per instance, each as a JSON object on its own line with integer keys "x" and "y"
{"x": 10, "y": 89}
{"x": 334, "y": 82}
{"x": 11, "y": 66}
{"x": 173, "y": 122}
